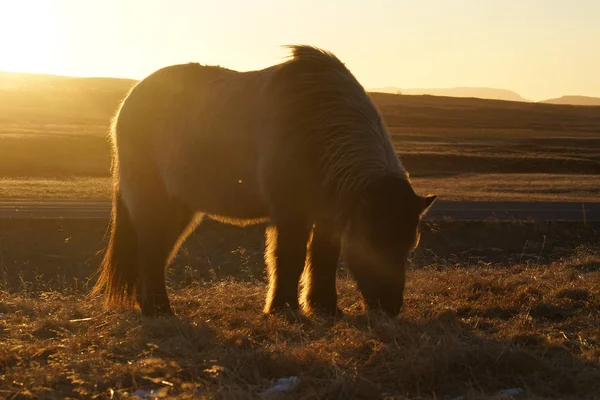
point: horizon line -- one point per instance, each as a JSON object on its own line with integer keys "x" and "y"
{"x": 372, "y": 89}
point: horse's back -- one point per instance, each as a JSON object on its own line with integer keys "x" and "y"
{"x": 195, "y": 127}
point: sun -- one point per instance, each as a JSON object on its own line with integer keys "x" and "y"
{"x": 30, "y": 36}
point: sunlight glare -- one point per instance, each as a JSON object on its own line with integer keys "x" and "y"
{"x": 31, "y": 36}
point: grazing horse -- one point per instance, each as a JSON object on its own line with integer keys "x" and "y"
{"x": 299, "y": 145}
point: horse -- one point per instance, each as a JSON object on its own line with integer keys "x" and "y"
{"x": 298, "y": 145}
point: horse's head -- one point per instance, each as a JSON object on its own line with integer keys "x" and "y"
{"x": 378, "y": 238}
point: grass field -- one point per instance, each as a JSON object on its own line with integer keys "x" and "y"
{"x": 490, "y": 305}
{"x": 464, "y": 187}
{"x": 55, "y": 128}
{"x": 470, "y": 332}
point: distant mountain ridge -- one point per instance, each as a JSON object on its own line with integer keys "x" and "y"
{"x": 477, "y": 92}
{"x": 489, "y": 93}
{"x": 575, "y": 100}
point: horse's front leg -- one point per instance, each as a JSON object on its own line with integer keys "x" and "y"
{"x": 285, "y": 256}
{"x": 319, "y": 283}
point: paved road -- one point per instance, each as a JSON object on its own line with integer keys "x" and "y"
{"x": 456, "y": 210}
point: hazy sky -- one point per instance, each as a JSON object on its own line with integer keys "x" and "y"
{"x": 539, "y": 48}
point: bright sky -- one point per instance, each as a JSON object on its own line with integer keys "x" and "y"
{"x": 538, "y": 48}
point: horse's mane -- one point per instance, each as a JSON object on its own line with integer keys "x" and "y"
{"x": 316, "y": 56}
{"x": 329, "y": 110}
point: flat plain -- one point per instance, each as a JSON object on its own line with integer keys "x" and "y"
{"x": 490, "y": 305}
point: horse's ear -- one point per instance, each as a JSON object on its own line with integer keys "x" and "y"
{"x": 427, "y": 202}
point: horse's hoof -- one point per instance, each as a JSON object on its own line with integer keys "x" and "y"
{"x": 157, "y": 312}
{"x": 326, "y": 312}
{"x": 324, "y": 309}
{"x": 291, "y": 313}
{"x": 338, "y": 313}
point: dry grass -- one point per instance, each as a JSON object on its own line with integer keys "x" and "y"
{"x": 464, "y": 331}
{"x": 38, "y": 189}
{"x": 53, "y": 156}
{"x": 478, "y": 319}
{"x": 512, "y": 187}
{"x": 467, "y": 187}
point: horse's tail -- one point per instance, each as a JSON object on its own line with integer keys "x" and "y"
{"x": 119, "y": 268}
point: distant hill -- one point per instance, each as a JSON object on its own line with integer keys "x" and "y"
{"x": 575, "y": 100}
{"x": 52, "y": 99}
{"x": 387, "y": 89}
{"x": 476, "y": 92}
{"x": 23, "y": 80}
{"x": 88, "y": 104}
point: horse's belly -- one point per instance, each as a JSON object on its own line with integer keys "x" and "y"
{"x": 241, "y": 199}
{"x": 219, "y": 189}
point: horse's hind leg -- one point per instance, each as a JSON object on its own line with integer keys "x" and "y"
{"x": 319, "y": 290}
{"x": 285, "y": 256}
{"x": 157, "y": 244}
{"x": 162, "y": 224}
